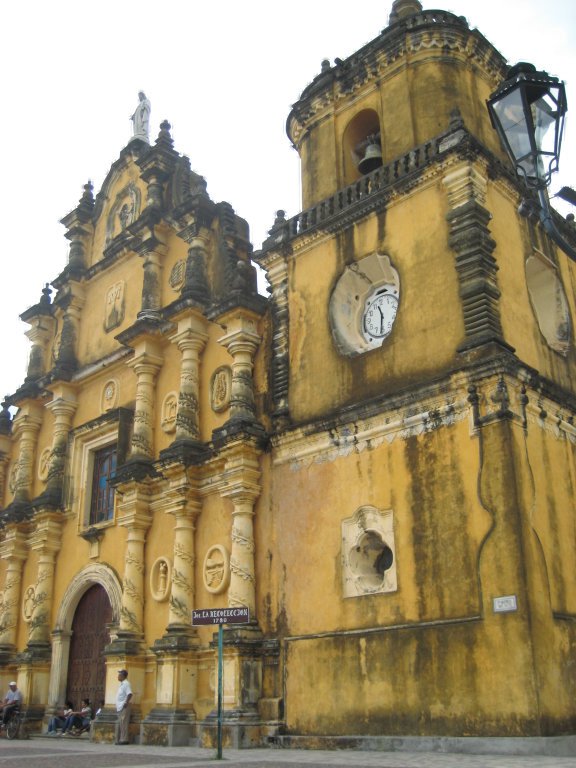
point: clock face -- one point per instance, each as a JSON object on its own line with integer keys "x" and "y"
{"x": 379, "y": 315}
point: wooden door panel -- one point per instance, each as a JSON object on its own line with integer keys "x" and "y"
{"x": 86, "y": 666}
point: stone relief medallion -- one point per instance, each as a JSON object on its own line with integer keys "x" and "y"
{"x": 368, "y": 553}
{"x": 28, "y": 604}
{"x": 114, "y": 306}
{"x": 169, "y": 412}
{"x": 109, "y": 395}
{"x": 44, "y": 464}
{"x": 221, "y": 388}
{"x": 161, "y": 579}
{"x": 177, "y": 273}
{"x": 216, "y": 569}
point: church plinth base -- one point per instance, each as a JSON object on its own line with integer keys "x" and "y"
{"x": 168, "y": 728}
{"x": 104, "y": 728}
{"x": 239, "y": 731}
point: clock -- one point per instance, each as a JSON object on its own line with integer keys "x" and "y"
{"x": 364, "y": 304}
{"x": 379, "y": 314}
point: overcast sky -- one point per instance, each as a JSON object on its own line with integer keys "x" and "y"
{"x": 224, "y": 74}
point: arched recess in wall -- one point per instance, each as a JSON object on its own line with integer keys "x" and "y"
{"x": 361, "y": 143}
{"x": 80, "y": 584}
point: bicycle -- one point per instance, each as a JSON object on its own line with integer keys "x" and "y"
{"x": 15, "y": 725}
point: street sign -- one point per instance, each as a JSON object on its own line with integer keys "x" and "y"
{"x": 221, "y": 616}
{"x": 238, "y": 615}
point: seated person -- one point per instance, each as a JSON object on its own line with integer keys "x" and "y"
{"x": 11, "y": 704}
{"x": 79, "y": 721}
{"x": 57, "y": 722}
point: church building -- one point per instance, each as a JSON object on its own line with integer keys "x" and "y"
{"x": 376, "y": 459}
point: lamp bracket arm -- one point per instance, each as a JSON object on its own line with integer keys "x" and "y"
{"x": 550, "y": 227}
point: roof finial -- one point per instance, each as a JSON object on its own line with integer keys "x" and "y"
{"x": 402, "y": 8}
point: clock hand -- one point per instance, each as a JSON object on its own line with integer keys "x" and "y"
{"x": 381, "y": 320}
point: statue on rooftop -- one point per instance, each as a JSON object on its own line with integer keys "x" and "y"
{"x": 141, "y": 118}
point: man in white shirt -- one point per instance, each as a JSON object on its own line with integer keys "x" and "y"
{"x": 123, "y": 699}
{"x": 12, "y": 702}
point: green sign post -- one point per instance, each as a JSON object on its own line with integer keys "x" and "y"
{"x": 221, "y": 616}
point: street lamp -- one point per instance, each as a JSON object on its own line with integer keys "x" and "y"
{"x": 527, "y": 110}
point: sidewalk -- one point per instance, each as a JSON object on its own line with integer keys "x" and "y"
{"x": 71, "y": 753}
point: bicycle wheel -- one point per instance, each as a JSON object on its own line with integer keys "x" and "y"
{"x": 13, "y": 727}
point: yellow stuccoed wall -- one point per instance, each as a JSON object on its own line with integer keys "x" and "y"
{"x": 457, "y": 431}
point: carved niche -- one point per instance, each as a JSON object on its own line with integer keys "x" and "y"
{"x": 368, "y": 553}
{"x": 221, "y": 388}
{"x": 114, "y": 306}
{"x": 161, "y": 579}
{"x": 169, "y": 412}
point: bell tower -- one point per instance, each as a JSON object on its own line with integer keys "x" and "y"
{"x": 421, "y": 389}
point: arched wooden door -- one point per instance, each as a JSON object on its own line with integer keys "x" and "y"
{"x": 86, "y": 666}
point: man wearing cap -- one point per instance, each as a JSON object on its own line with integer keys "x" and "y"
{"x": 11, "y": 703}
{"x": 123, "y": 699}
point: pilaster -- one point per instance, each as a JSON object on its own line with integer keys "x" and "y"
{"x": 25, "y": 430}
{"x": 241, "y": 340}
{"x": 14, "y": 552}
{"x": 46, "y": 541}
{"x": 146, "y": 363}
{"x": 476, "y": 266}
{"x": 63, "y": 405}
{"x": 70, "y": 299}
{"x": 135, "y": 516}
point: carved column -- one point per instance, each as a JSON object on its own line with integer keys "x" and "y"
{"x": 242, "y": 476}
{"x": 134, "y": 515}
{"x": 151, "y": 288}
{"x": 190, "y": 339}
{"x": 46, "y": 541}
{"x": 185, "y": 507}
{"x": 170, "y": 721}
{"x": 40, "y": 334}
{"x": 25, "y": 429}
{"x": 241, "y": 340}
{"x": 146, "y": 364}
{"x": 276, "y": 265}
{"x": 59, "y": 669}
{"x": 63, "y": 406}
{"x": 79, "y": 225}
{"x": 13, "y": 552}
{"x": 5, "y": 448}
{"x": 71, "y": 301}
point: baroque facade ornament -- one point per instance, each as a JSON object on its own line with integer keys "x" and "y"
{"x": 220, "y": 388}
{"x": 160, "y": 579}
{"x": 216, "y": 569}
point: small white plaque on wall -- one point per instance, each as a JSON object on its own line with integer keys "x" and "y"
{"x": 505, "y": 604}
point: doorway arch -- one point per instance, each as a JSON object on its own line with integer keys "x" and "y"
{"x": 93, "y": 575}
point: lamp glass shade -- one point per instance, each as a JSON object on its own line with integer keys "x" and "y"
{"x": 528, "y": 113}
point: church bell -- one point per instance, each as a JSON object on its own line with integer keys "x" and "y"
{"x": 372, "y": 158}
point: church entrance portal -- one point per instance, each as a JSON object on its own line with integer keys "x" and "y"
{"x": 86, "y": 666}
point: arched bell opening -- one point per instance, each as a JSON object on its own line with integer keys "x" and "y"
{"x": 362, "y": 145}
